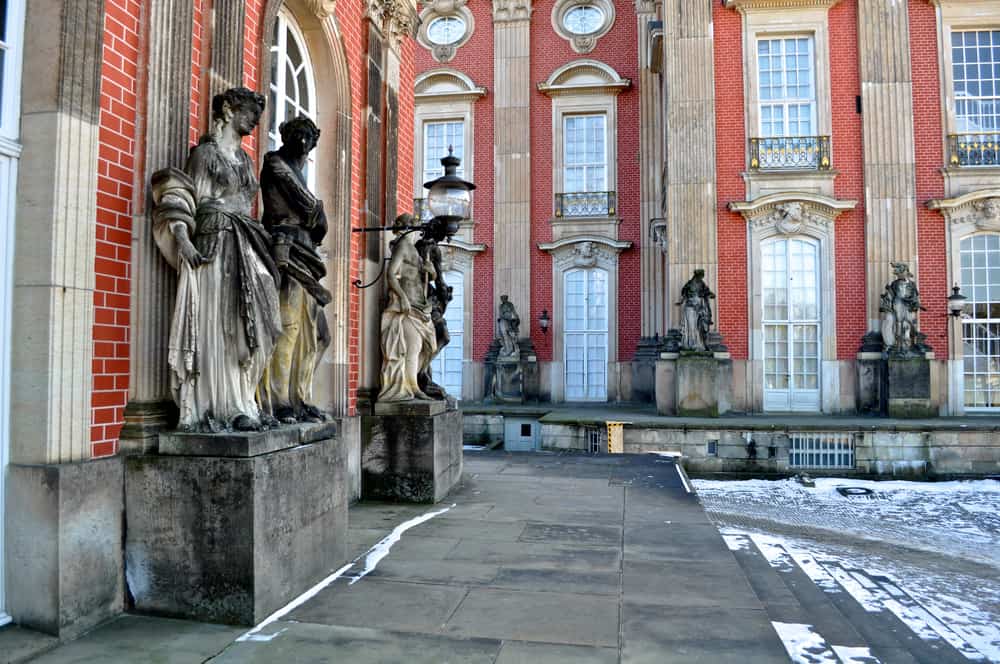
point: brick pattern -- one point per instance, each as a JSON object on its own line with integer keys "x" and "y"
{"x": 730, "y": 159}
{"x": 198, "y": 79}
{"x": 931, "y": 225}
{"x": 115, "y": 199}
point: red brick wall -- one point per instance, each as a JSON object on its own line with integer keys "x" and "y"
{"x": 849, "y": 244}
{"x": 197, "y": 54}
{"x": 115, "y": 193}
{"x": 933, "y": 268}
{"x": 475, "y": 59}
{"x": 730, "y": 159}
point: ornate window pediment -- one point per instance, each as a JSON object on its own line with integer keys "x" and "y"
{"x": 446, "y": 85}
{"x": 585, "y": 251}
{"x": 745, "y": 5}
{"x": 584, "y": 77}
{"x": 977, "y": 210}
{"x": 457, "y": 254}
{"x": 792, "y": 213}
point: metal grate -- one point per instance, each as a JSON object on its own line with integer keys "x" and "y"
{"x": 821, "y": 450}
{"x": 597, "y": 440}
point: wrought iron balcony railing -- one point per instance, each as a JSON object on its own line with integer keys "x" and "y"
{"x": 977, "y": 149}
{"x": 421, "y": 211}
{"x": 586, "y": 204}
{"x": 802, "y": 153}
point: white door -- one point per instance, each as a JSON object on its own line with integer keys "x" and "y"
{"x": 11, "y": 28}
{"x": 980, "y": 256}
{"x": 791, "y": 319}
{"x": 585, "y": 337}
{"x": 446, "y": 368}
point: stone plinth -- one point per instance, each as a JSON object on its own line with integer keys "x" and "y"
{"x": 909, "y": 387}
{"x": 233, "y": 537}
{"x": 666, "y": 380}
{"x": 644, "y": 370}
{"x": 872, "y": 384}
{"x": 410, "y": 458}
{"x": 703, "y": 384}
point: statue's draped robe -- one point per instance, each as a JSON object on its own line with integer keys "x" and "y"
{"x": 226, "y": 317}
{"x": 294, "y": 213}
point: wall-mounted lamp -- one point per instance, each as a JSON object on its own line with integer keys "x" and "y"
{"x": 956, "y": 302}
{"x": 543, "y": 321}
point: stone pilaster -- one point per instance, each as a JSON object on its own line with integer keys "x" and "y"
{"x": 689, "y": 115}
{"x": 154, "y": 282}
{"x": 650, "y": 185}
{"x": 512, "y": 155}
{"x": 53, "y": 298}
{"x": 889, "y": 160}
{"x": 227, "y": 46}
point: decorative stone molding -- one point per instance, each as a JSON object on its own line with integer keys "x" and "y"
{"x": 446, "y": 85}
{"x": 975, "y": 211}
{"x": 505, "y": 11}
{"x": 748, "y": 5}
{"x": 645, "y": 6}
{"x": 434, "y": 9}
{"x": 322, "y": 8}
{"x": 584, "y": 77}
{"x": 458, "y": 255}
{"x": 587, "y": 42}
{"x": 789, "y": 213}
{"x": 396, "y": 19}
{"x": 585, "y": 251}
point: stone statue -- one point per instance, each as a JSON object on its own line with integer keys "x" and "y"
{"x": 408, "y": 337}
{"x": 696, "y": 316}
{"x": 899, "y": 306}
{"x": 508, "y": 327}
{"x": 439, "y": 295}
{"x": 297, "y": 223}
{"x": 226, "y": 318}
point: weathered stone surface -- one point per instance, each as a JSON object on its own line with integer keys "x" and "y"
{"x": 665, "y": 391}
{"x": 245, "y": 444}
{"x": 413, "y": 408}
{"x": 872, "y": 388}
{"x": 703, "y": 385}
{"x": 909, "y": 387}
{"x": 410, "y": 458}
{"x": 231, "y": 540}
{"x": 64, "y": 556}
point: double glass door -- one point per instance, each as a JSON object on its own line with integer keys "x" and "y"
{"x": 586, "y": 335}
{"x": 791, "y": 321}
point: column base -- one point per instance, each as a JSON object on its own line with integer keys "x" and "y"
{"x": 144, "y": 420}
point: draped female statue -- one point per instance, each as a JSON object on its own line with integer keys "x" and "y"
{"x": 226, "y": 317}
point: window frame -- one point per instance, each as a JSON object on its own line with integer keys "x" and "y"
{"x": 971, "y": 319}
{"x": 10, "y": 93}
{"x": 426, "y": 123}
{"x": 277, "y": 95}
{"x": 566, "y": 118}
{"x": 786, "y": 102}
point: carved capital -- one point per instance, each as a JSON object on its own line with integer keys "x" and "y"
{"x": 401, "y": 21}
{"x": 322, "y": 8}
{"x": 645, "y": 6}
{"x": 511, "y": 10}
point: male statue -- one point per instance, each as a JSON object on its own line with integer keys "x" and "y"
{"x": 408, "y": 336}
{"x": 899, "y": 305}
{"x": 297, "y": 223}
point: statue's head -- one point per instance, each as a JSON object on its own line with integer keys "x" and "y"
{"x": 503, "y": 298}
{"x": 900, "y": 270}
{"x": 699, "y": 274}
{"x": 401, "y": 223}
{"x": 300, "y": 134}
{"x": 991, "y": 208}
{"x": 240, "y": 107}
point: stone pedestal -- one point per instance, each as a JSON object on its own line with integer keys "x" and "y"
{"x": 644, "y": 370}
{"x": 513, "y": 379}
{"x": 704, "y": 383}
{"x": 666, "y": 381}
{"x": 909, "y": 387}
{"x": 408, "y": 457}
{"x": 229, "y": 528}
{"x": 872, "y": 384}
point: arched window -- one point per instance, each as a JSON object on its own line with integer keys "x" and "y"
{"x": 293, "y": 84}
{"x": 980, "y": 256}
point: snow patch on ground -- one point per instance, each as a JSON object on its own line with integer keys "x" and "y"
{"x": 851, "y": 655}
{"x": 381, "y": 550}
{"x": 803, "y": 644}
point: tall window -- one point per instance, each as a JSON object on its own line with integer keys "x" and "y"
{"x": 585, "y": 153}
{"x": 975, "y": 58}
{"x": 293, "y": 84}
{"x": 791, "y": 319}
{"x": 446, "y": 368}
{"x": 4, "y": 57}
{"x": 787, "y": 80}
{"x": 585, "y": 340}
{"x": 980, "y": 258}
{"x": 438, "y": 136}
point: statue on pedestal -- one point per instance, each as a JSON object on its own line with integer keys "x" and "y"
{"x": 696, "y": 316}
{"x": 297, "y": 223}
{"x": 439, "y": 295}
{"x": 226, "y": 318}
{"x": 899, "y": 306}
{"x": 408, "y": 337}
{"x": 508, "y": 330}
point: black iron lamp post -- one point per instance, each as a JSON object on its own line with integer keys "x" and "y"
{"x": 956, "y": 302}
{"x": 450, "y": 201}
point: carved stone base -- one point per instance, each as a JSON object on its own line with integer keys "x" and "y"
{"x": 410, "y": 458}
{"x": 244, "y": 533}
{"x": 644, "y": 370}
{"x": 909, "y": 387}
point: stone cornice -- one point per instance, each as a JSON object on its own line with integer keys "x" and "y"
{"x": 462, "y": 245}
{"x": 751, "y": 5}
{"x": 615, "y": 245}
{"x": 507, "y": 11}
{"x": 980, "y": 208}
{"x": 787, "y": 212}
{"x": 577, "y": 77}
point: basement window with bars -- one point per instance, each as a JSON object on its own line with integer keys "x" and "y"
{"x": 597, "y": 440}
{"x": 821, "y": 450}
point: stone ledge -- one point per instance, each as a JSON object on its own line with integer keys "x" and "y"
{"x": 245, "y": 444}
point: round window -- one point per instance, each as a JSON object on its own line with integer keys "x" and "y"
{"x": 583, "y": 19}
{"x": 446, "y": 30}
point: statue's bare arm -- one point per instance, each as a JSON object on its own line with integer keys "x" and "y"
{"x": 392, "y": 278}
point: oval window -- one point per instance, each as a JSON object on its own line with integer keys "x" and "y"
{"x": 583, "y": 19}
{"x": 446, "y": 30}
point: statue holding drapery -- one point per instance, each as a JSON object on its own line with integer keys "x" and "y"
{"x": 696, "y": 313}
{"x": 226, "y": 318}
